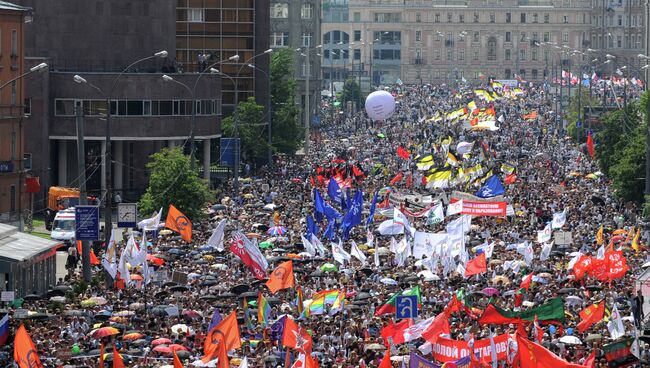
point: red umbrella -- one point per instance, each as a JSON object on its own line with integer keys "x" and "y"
{"x": 192, "y": 313}
{"x": 155, "y": 260}
{"x": 618, "y": 238}
{"x": 162, "y": 349}
{"x": 104, "y": 331}
{"x": 177, "y": 347}
{"x": 161, "y": 341}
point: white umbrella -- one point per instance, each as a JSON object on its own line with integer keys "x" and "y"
{"x": 270, "y": 206}
{"x": 571, "y": 300}
{"x": 647, "y": 264}
{"x": 570, "y": 340}
{"x": 219, "y": 266}
{"x": 388, "y": 281}
{"x": 382, "y": 251}
{"x": 389, "y": 227}
{"x": 428, "y": 276}
{"x": 182, "y": 328}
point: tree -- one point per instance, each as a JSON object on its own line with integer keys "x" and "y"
{"x": 173, "y": 181}
{"x": 351, "y": 92}
{"x": 286, "y": 128}
{"x": 578, "y": 103}
{"x": 616, "y": 128}
{"x": 251, "y": 127}
{"x": 629, "y": 170}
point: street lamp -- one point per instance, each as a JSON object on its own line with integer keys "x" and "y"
{"x": 268, "y": 117}
{"x": 33, "y": 69}
{"x": 307, "y": 111}
{"x": 107, "y": 155}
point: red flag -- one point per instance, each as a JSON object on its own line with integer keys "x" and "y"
{"x": 583, "y": 266}
{"x": 590, "y": 362}
{"x": 525, "y": 283}
{"x": 396, "y": 331}
{"x": 24, "y": 350}
{"x": 101, "y": 355}
{"x": 439, "y": 325}
{"x": 177, "y": 361}
{"x": 281, "y": 278}
{"x": 401, "y": 152}
{"x": 93, "y": 258}
{"x": 539, "y": 332}
{"x": 226, "y": 331}
{"x": 590, "y": 146}
{"x": 591, "y": 315}
{"x": 296, "y": 337}
{"x": 385, "y": 362}
{"x": 409, "y": 180}
{"x": 396, "y": 179}
{"x": 117, "y": 359}
{"x": 476, "y": 265}
{"x": 287, "y": 359}
{"x": 616, "y": 264}
{"x": 533, "y": 355}
{"x": 510, "y": 179}
{"x": 454, "y": 305}
{"x": 241, "y": 247}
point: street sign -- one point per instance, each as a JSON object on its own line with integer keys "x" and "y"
{"x": 578, "y": 124}
{"x": 229, "y": 150}
{"x": 127, "y": 214}
{"x": 86, "y": 222}
{"x": 7, "y": 296}
{"x": 406, "y": 306}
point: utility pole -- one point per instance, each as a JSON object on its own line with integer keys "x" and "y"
{"x": 81, "y": 167}
{"x": 307, "y": 112}
{"x": 647, "y": 75}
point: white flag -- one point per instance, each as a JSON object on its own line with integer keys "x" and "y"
{"x": 455, "y": 208}
{"x": 339, "y": 254}
{"x": 415, "y": 332}
{"x": 400, "y": 219}
{"x": 486, "y": 248}
{"x": 526, "y": 250}
{"x": 318, "y": 245}
{"x": 309, "y": 248}
{"x": 109, "y": 258}
{"x": 244, "y": 363}
{"x": 559, "y": 219}
{"x": 615, "y": 324}
{"x": 152, "y": 223}
{"x": 546, "y": 251}
{"x": 544, "y": 236}
{"x": 436, "y": 214}
{"x": 601, "y": 254}
{"x": 216, "y": 239}
{"x": 356, "y": 253}
{"x": 132, "y": 253}
{"x": 124, "y": 269}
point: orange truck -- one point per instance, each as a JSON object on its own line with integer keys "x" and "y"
{"x": 59, "y": 198}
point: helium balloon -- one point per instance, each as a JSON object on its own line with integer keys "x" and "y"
{"x": 569, "y": 331}
{"x": 380, "y": 105}
{"x": 552, "y": 329}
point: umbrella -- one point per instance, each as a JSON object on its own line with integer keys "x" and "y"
{"x": 241, "y": 288}
{"x": 249, "y": 294}
{"x": 226, "y": 295}
{"x": 162, "y": 349}
{"x": 136, "y": 305}
{"x": 165, "y": 232}
{"x": 31, "y": 297}
{"x": 132, "y": 336}
{"x": 428, "y": 276}
{"x": 381, "y": 135}
{"x": 388, "y": 281}
{"x": 219, "y": 266}
{"x": 192, "y": 313}
{"x": 573, "y": 300}
{"x": 501, "y": 279}
{"x": 374, "y": 346}
{"x": 594, "y": 287}
{"x": 567, "y": 290}
{"x": 177, "y": 347}
{"x": 88, "y": 303}
{"x": 208, "y": 297}
{"x": 594, "y": 337}
{"x": 60, "y": 299}
{"x": 104, "y": 331}
{"x": 179, "y": 288}
{"x": 74, "y": 313}
{"x": 161, "y": 341}
{"x": 570, "y": 340}
{"x": 51, "y": 293}
{"x": 277, "y": 231}
{"x": 328, "y": 267}
{"x": 317, "y": 273}
{"x": 272, "y": 206}
{"x": 490, "y": 291}
{"x": 362, "y": 296}
{"x": 367, "y": 271}
{"x": 265, "y": 245}
{"x": 125, "y": 313}
{"x": 179, "y": 328}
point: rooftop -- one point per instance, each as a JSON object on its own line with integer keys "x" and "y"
{"x": 9, "y": 6}
{"x": 17, "y": 246}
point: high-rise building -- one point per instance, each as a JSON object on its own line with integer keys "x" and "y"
{"x": 209, "y": 31}
{"x": 97, "y": 40}
{"x": 12, "y": 113}
{"x": 296, "y": 25}
{"x": 441, "y": 41}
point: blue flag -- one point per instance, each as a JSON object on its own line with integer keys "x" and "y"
{"x": 277, "y": 329}
{"x": 334, "y": 191}
{"x": 373, "y": 206}
{"x": 216, "y": 318}
{"x": 330, "y": 231}
{"x": 352, "y": 218}
{"x": 348, "y": 198}
{"x": 492, "y": 188}
{"x": 312, "y": 229}
{"x": 324, "y": 208}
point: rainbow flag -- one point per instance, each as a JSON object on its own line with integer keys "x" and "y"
{"x": 263, "y": 310}
{"x": 299, "y": 301}
{"x": 330, "y": 296}
{"x": 339, "y": 303}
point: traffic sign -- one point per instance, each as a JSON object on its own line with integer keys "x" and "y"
{"x": 229, "y": 151}
{"x": 578, "y": 124}
{"x": 86, "y": 222}
{"x": 127, "y": 214}
{"x": 406, "y": 306}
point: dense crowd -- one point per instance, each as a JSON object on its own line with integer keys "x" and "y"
{"x": 548, "y": 174}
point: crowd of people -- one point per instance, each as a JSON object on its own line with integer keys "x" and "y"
{"x": 442, "y": 157}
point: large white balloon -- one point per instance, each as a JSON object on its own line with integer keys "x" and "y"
{"x": 380, "y": 105}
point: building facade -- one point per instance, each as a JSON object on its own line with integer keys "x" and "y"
{"x": 208, "y": 31}
{"x": 297, "y": 25}
{"x": 146, "y": 112}
{"x": 12, "y": 120}
{"x": 442, "y": 41}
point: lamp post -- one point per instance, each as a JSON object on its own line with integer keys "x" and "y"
{"x": 268, "y": 118}
{"x": 107, "y": 156}
{"x": 236, "y": 117}
{"x": 307, "y": 112}
{"x": 192, "y": 92}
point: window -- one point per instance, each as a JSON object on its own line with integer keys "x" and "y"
{"x": 565, "y": 37}
{"x": 357, "y": 17}
{"x": 619, "y": 41}
{"x": 14, "y": 43}
{"x": 418, "y": 56}
{"x": 196, "y": 15}
{"x": 565, "y": 18}
{"x": 507, "y": 54}
{"x": 280, "y": 10}
{"x": 12, "y": 198}
{"x": 14, "y": 145}
{"x": 492, "y": 48}
{"x": 534, "y": 72}
{"x": 418, "y": 17}
{"x": 547, "y": 55}
{"x": 508, "y": 17}
{"x": 357, "y": 35}
{"x": 475, "y": 37}
{"x": 522, "y": 73}
{"x": 306, "y": 11}
{"x": 534, "y": 36}
{"x": 522, "y": 55}
{"x": 547, "y": 36}
{"x": 450, "y": 55}
{"x": 507, "y": 74}
{"x": 461, "y": 18}
{"x": 27, "y": 161}
{"x": 533, "y": 55}
{"x": 357, "y": 54}
{"x": 476, "y": 17}
{"x": 535, "y": 18}
{"x": 492, "y": 18}
{"x": 522, "y": 18}
{"x": 461, "y": 55}
{"x": 522, "y": 37}
{"x": 418, "y": 36}
{"x": 476, "y": 55}
{"x": 28, "y": 107}
{"x": 436, "y": 54}
{"x": 279, "y": 39}
{"x": 388, "y": 17}
{"x": 306, "y": 39}
{"x": 508, "y": 37}
{"x": 449, "y": 17}
{"x": 620, "y": 20}
{"x": 437, "y": 36}
{"x": 13, "y": 93}
{"x": 437, "y": 18}
{"x": 547, "y": 18}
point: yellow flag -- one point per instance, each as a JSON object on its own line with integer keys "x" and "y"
{"x": 599, "y": 235}
{"x": 635, "y": 241}
{"x": 630, "y": 235}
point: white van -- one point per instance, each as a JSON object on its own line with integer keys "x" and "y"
{"x": 63, "y": 226}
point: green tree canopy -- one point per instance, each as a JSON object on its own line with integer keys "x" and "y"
{"x": 286, "y": 128}
{"x": 351, "y": 92}
{"x": 251, "y": 126}
{"x": 173, "y": 181}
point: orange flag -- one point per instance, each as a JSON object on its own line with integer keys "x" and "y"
{"x": 227, "y": 331}
{"x": 177, "y": 362}
{"x": 222, "y": 354}
{"x": 117, "y": 359}
{"x": 25, "y": 351}
{"x": 385, "y": 362}
{"x": 101, "y": 355}
{"x": 178, "y": 222}
{"x": 591, "y": 315}
{"x": 93, "y": 258}
{"x": 282, "y": 277}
